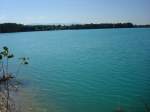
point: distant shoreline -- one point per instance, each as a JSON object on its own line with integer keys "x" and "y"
{"x": 14, "y": 27}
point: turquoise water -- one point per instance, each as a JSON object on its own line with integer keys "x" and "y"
{"x": 84, "y": 70}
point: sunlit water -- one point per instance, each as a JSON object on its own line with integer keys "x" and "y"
{"x": 83, "y": 70}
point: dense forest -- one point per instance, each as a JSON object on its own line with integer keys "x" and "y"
{"x": 13, "y": 27}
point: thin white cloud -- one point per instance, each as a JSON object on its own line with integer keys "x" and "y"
{"x": 2, "y": 18}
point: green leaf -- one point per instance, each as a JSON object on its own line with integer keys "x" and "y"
{"x": 10, "y": 56}
{"x": 5, "y": 48}
{"x": 26, "y": 63}
{"x": 1, "y": 57}
{"x": 4, "y": 53}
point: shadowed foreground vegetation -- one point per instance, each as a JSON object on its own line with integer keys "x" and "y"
{"x": 7, "y": 83}
{"x": 13, "y": 27}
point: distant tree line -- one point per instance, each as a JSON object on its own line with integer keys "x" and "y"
{"x": 14, "y": 27}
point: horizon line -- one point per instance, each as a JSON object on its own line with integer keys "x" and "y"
{"x": 73, "y": 23}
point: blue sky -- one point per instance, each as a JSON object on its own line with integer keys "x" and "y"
{"x": 74, "y": 11}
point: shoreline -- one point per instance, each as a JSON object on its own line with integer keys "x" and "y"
{"x": 19, "y": 101}
{"x": 14, "y": 27}
{"x": 12, "y": 103}
{"x": 2, "y": 102}
{"x": 76, "y": 29}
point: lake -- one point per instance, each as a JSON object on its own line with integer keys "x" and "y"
{"x": 83, "y": 70}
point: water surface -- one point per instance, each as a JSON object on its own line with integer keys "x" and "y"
{"x": 84, "y": 70}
